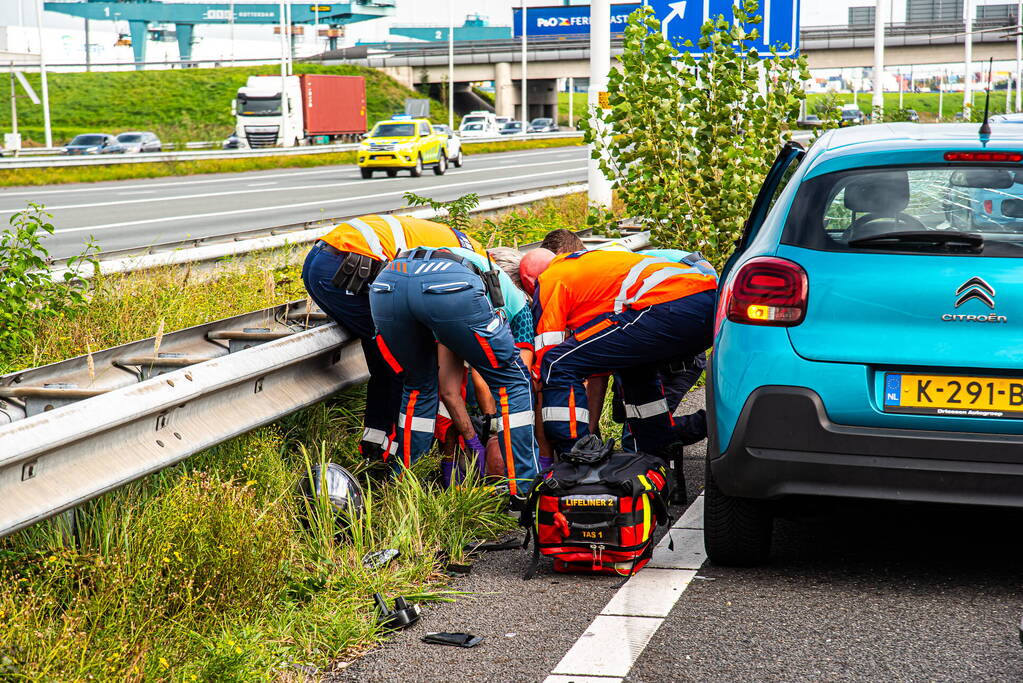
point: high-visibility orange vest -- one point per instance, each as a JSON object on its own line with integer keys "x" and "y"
{"x": 382, "y": 237}
{"x": 576, "y": 288}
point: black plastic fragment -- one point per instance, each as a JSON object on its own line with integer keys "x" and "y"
{"x": 402, "y": 616}
{"x": 455, "y": 639}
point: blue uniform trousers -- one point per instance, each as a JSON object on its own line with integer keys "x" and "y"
{"x": 633, "y": 347}
{"x": 351, "y": 311}
{"x": 418, "y": 301}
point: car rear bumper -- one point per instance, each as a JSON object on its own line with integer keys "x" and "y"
{"x": 784, "y": 443}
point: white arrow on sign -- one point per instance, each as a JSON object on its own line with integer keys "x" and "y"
{"x": 678, "y": 9}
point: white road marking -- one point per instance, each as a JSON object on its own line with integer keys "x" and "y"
{"x": 237, "y": 177}
{"x": 612, "y": 643}
{"x": 292, "y": 205}
{"x": 232, "y": 193}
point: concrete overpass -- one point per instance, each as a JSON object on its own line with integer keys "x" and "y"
{"x": 549, "y": 60}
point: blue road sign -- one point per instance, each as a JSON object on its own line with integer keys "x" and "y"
{"x": 681, "y": 20}
{"x": 566, "y": 21}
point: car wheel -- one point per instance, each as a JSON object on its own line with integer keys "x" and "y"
{"x": 737, "y": 531}
{"x": 457, "y": 161}
{"x": 392, "y": 173}
{"x": 441, "y": 167}
{"x": 366, "y": 172}
{"x": 417, "y": 170}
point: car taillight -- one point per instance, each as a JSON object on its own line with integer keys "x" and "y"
{"x": 767, "y": 291}
{"x": 988, "y": 205}
{"x": 984, "y": 156}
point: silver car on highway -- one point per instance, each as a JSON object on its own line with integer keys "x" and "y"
{"x": 136, "y": 142}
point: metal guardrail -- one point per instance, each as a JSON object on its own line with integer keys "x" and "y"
{"x": 229, "y": 245}
{"x": 56, "y": 151}
{"x": 76, "y": 429}
{"x": 156, "y": 157}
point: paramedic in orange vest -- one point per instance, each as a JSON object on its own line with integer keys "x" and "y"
{"x": 337, "y": 274}
{"x": 600, "y": 311}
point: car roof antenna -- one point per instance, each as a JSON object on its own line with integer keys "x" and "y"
{"x": 985, "y": 128}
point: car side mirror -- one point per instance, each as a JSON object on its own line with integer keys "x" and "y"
{"x": 234, "y": 107}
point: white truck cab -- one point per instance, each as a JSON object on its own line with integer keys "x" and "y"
{"x": 266, "y": 119}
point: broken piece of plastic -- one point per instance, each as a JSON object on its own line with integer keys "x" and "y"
{"x": 402, "y": 616}
{"x": 456, "y": 639}
{"x": 379, "y": 558}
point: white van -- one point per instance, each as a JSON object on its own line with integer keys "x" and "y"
{"x": 478, "y": 124}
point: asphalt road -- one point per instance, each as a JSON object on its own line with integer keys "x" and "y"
{"x": 137, "y": 213}
{"x": 854, "y": 592}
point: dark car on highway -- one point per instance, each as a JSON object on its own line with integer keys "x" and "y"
{"x": 94, "y": 143}
{"x": 543, "y": 125}
{"x": 511, "y": 128}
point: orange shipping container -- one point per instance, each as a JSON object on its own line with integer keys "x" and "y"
{"x": 333, "y": 105}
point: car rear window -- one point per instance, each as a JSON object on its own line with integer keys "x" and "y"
{"x": 129, "y": 137}
{"x": 970, "y": 210}
{"x": 88, "y": 140}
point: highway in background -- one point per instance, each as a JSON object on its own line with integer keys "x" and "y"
{"x": 137, "y": 213}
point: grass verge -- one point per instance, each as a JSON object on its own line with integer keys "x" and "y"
{"x": 216, "y": 569}
{"x": 91, "y": 174}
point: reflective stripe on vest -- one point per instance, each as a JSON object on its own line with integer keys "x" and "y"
{"x": 397, "y": 232}
{"x": 673, "y": 269}
{"x": 645, "y": 410}
{"x": 548, "y": 339}
{"x": 419, "y": 424}
{"x": 524, "y": 418}
{"x": 562, "y": 414}
{"x": 368, "y": 234}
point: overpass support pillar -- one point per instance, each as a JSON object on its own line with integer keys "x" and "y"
{"x": 542, "y": 99}
{"x": 139, "y": 34}
{"x": 506, "y": 96}
{"x": 185, "y": 34}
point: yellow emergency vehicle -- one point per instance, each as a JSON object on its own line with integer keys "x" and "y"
{"x": 401, "y": 143}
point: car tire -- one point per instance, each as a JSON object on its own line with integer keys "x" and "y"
{"x": 441, "y": 167}
{"x": 367, "y": 173}
{"x": 737, "y": 531}
{"x": 417, "y": 170}
{"x": 457, "y": 161}
{"x": 392, "y": 173}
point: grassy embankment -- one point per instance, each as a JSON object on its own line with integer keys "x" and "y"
{"x": 205, "y": 571}
{"x": 179, "y": 105}
{"x": 91, "y": 174}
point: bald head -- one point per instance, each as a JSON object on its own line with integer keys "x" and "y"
{"x": 534, "y": 263}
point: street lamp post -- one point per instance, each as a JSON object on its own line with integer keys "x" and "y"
{"x": 451, "y": 64}
{"x": 42, "y": 73}
{"x": 879, "y": 20}
{"x": 525, "y": 81}
{"x": 1019, "y": 52}
{"x": 968, "y": 58}
{"x": 600, "y": 66}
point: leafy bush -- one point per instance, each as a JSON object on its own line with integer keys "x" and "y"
{"x": 30, "y": 295}
{"x": 694, "y": 137}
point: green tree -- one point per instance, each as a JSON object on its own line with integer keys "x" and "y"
{"x": 692, "y": 137}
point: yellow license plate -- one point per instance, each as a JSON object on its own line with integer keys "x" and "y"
{"x": 990, "y": 397}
